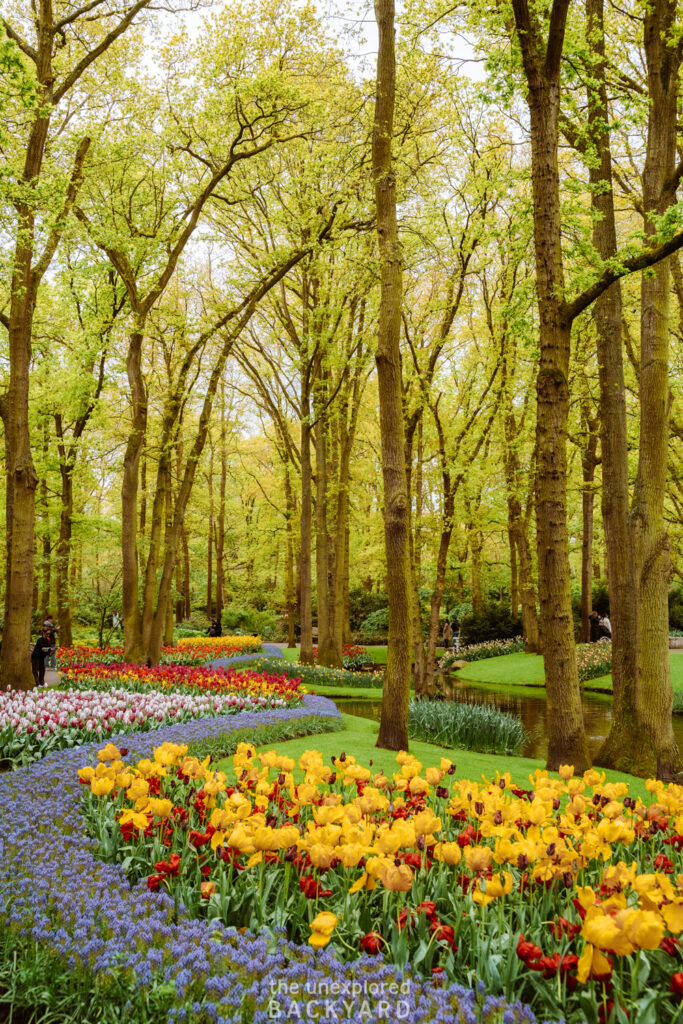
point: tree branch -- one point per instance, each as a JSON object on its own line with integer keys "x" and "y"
{"x": 74, "y": 185}
{"x": 570, "y": 310}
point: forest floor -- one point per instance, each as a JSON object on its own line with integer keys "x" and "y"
{"x": 359, "y": 737}
{"x": 527, "y": 670}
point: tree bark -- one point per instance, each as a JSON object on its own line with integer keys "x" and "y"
{"x": 651, "y": 549}
{"x": 393, "y": 729}
{"x": 209, "y": 557}
{"x": 566, "y": 735}
{"x": 132, "y": 623}
{"x": 589, "y": 462}
{"x": 305, "y": 614}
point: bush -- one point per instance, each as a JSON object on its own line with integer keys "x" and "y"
{"x": 676, "y": 610}
{"x": 467, "y": 726}
{"x": 376, "y": 624}
{"x": 493, "y": 622}
{"x": 240, "y": 621}
{"x": 362, "y": 603}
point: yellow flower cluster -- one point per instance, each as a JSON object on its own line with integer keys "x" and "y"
{"x": 377, "y": 829}
{"x": 220, "y": 641}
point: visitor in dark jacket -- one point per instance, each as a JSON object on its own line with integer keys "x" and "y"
{"x": 41, "y": 650}
{"x": 594, "y": 620}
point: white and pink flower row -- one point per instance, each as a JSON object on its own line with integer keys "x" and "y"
{"x": 34, "y": 722}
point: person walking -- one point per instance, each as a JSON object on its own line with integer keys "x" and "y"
{"x": 447, "y": 634}
{"x": 52, "y": 629}
{"x": 41, "y": 650}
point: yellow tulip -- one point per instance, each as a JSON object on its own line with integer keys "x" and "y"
{"x": 449, "y": 853}
{"x": 350, "y": 854}
{"x": 396, "y": 877}
{"x": 160, "y": 808}
{"x": 592, "y": 962}
{"x": 673, "y": 915}
{"x": 109, "y": 753}
{"x": 322, "y": 856}
{"x": 101, "y": 787}
{"x": 565, "y": 771}
{"x": 86, "y": 774}
{"x": 322, "y": 927}
{"x": 130, "y": 816}
{"x": 478, "y": 858}
{"x": 644, "y": 928}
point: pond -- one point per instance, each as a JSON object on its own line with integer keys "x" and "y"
{"x": 529, "y": 705}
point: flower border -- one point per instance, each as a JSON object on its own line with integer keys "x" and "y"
{"x": 56, "y": 892}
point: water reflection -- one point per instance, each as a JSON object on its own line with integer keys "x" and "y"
{"x": 530, "y": 707}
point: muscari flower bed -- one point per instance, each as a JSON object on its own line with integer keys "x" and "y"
{"x": 110, "y": 950}
{"x": 34, "y": 722}
{"x": 569, "y": 894}
{"x": 272, "y": 689}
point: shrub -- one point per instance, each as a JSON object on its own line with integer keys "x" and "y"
{"x": 239, "y": 620}
{"x": 493, "y": 622}
{"x": 676, "y": 610}
{"x": 375, "y": 624}
{"x": 467, "y": 726}
{"x": 361, "y": 603}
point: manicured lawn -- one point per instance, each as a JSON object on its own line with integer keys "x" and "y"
{"x": 376, "y": 654}
{"x": 360, "y": 736}
{"x": 361, "y": 692}
{"x": 527, "y": 670}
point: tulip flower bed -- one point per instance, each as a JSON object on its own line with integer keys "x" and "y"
{"x": 317, "y": 675}
{"x": 353, "y": 656}
{"x": 34, "y": 722}
{"x": 261, "y": 689}
{"x": 190, "y": 651}
{"x": 594, "y": 660}
{"x": 79, "y": 943}
{"x": 568, "y": 895}
{"x": 479, "y": 652}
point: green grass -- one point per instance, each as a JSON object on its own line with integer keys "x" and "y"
{"x": 376, "y": 654}
{"x": 359, "y": 736}
{"x": 527, "y": 670}
{"x": 357, "y": 692}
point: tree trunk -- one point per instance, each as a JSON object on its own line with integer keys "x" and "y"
{"x": 514, "y": 569}
{"x": 290, "y": 590}
{"x": 326, "y": 653}
{"x": 220, "y": 526}
{"x": 132, "y": 624}
{"x": 566, "y": 734}
{"x": 209, "y": 557}
{"x": 64, "y": 616}
{"x": 305, "y": 614}
{"x": 589, "y": 461}
{"x": 46, "y": 555}
{"x": 393, "y": 729}
{"x": 651, "y": 549}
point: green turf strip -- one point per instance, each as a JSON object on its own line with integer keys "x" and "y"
{"x": 527, "y": 670}
{"x": 359, "y": 736}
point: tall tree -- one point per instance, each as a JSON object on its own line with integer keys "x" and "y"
{"x": 393, "y": 728}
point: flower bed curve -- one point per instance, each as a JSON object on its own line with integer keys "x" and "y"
{"x": 35, "y": 722}
{"x": 272, "y": 688}
{"x": 189, "y": 651}
{"x": 528, "y": 890}
{"x": 144, "y": 951}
